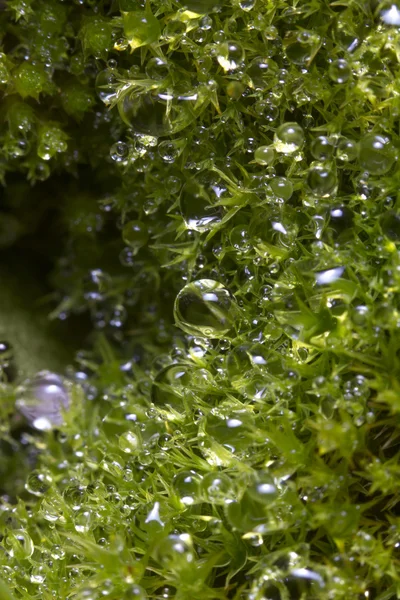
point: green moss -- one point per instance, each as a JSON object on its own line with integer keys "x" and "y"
{"x": 199, "y": 230}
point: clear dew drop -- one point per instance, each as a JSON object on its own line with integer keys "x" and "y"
{"x": 19, "y": 544}
{"x": 205, "y": 308}
{"x": 230, "y": 55}
{"x": 282, "y": 187}
{"x": 129, "y": 442}
{"x": 175, "y": 552}
{"x": 42, "y": 400}
{"x": 302, "y": 47}
{"x": 376, "y": 154}
{"x": 38, "y": 483}
{"x": 106, "y": 82}
{"x": 347, "y": 150}
{"x": 218, "y": 488}
{"x": 119, "y": 152}
{"x": 339, "y": 70}
{"x": 135, "y": 234}
{"x": 322, "y": 180}
{"x": 195, "y": 207}
{"x": 187, "y": 486}
{"x": 289, "y": 138}
{"x": 264, "y": 155}
{"x": 322, "y": 148}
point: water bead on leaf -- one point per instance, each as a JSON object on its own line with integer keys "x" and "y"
{"x": 38, "y": 483}
{"x": 157, "y": 68}
{"x": 263, "y": 489}
{"x": 19, "y": 544}
{"x": 264, "y": 155}
{"x": 106, "y": 82}
{"x": 322, "y": 180}
{"x": 196, "y": 209}
{"x": 119, "y": 152}
{"x": 261, "y": 72}
{"x": 187, "y": 486}
{"x": 230, "y": 55}
{"x": 43, "y": 400}
{"x": 176, "y": 552}
{"x": 247, "y": 4}
{"x": 205, "y": 308}
{"x": 282, "y": 187}
{"x": 322, "y": 148}
{"x": 289, "y": 138}
{"x": 159, "y": 113}
{"x": 169, "y": 386}
{"x": 340, "y": 219}
{"x": 302, "y": 47}
{"x": 129, "y": 442}
{"x": 339, "y": 71}
{"x": 347, "y": 150}
{"x": 218, "y": 488}
{"x": 135, "y": 234}
{"x": 135, "y": 592}
{"x": 376, "y": 154}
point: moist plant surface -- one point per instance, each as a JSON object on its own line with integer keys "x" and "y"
{"x": 200, "y": 296}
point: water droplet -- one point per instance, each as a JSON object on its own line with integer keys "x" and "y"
{"x": 390, "y": 224}
{"x": 263, "y": 489}
{"x": 42, "y": 400}
{"x": 347, "y": 150}
{"x": 390, "y": 14}
{"x": 119, "y": 152}
{"x": 247, "y": 4}
{"x": 159, "y": 113}
{"x": 135, "y": 234}
{"x": 38, "y": 483}
{"x": 57, "y": 552}
{"x": 340, "y": 219}
{"x": 264, "y": 155}
{"x": 322, "y": 148}
{"x": 218, "y": 488}
{"x": 157, "y": 68}
{"x": 322, "y": 180}
{"x": 260, "y": 71}
{"x": 106, "y": 83}
{"x": 339, "y": 70}
{"x": 282, "y": 187}
{"x": 83, "y": 520}
{"x": 230, "y": 55}
{"x": 135, "y": 592}
{"x": 200, "y": 7}
{"x": 289, "y": 138}
{"x": 376, "y": 154}
{"x": 20, "y": 544}
{"x": 302, "y": 47}
{"x": 175, "y": 552}
{"x": 205, "y": 308}
{"x": 129, "y": 442}
{"x": 187, "y": 485}
{"x": 196, "y": 209}
{"x": 329, "y": 275}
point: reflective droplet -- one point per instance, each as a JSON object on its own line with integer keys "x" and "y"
{"x": 129, "y": 442}
{"x": 260, "y": 71}
{"x": 187, "y": 487}
{"x": 322, "y": 148}
{"x": 43, "y": 399}
{"x": 390, "y": 224}
{"x": 135, "y": 234}
{"x": 135, "y": 592}
{"x": 159, "y": 113}
{"x": 200, "y": 7}
{"x": 282, "y": 187}
{"x": 196, "y": 208}
{"x": 339, "y": 70}
{"x": 19, "y": 544}
{"x": 175, "y": 552}
{"x": 247, "y": 4}
{"x": 289, "y": 138}
{"x": 119, "y": 152}
{"x": 376, "y": 154}
{"x": 390, "y": 14}
{"x": 38, "y": 483}
{"x": 302, "y": 47}
{"x": 157, "y": 68}
{"x": 263, "y": 489}
{"x": 205, "y": 308}
{"x": 329, "y": 275}
{"x": 106, "y": 83}
{"x": 264, "y": 155}
{"x": 347, "y": 150}
{"x": 322, "y": 181}
{"x": 230, "y": 55}
{"x": 218, "y": 488}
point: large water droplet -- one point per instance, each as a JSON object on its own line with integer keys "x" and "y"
{"x": 159, "y": 113}
{"x": 176, "y": 552}
{"x": 289, "y": 138}
{"x": 376, "y": 154}
{"x": 218, "y": 488}
{"x": 339, "y": 70}
{"x": 38, "y": 483}
{"x": 135, "y": 234}
{"x": 187, "y": 485}
{"x": 322, "y": 148}
{"x": 196, "y": 209}
{"x": 43, "y": 399}
{"x": 230, "y": 55}
{"x": 264, "y": 155}
{"x": 205, "y": 308}
{"x": 302, "y": 47}
{"x": 106, "y": 83}
{"x": 322, "y": 180}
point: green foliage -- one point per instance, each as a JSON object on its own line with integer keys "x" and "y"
{"x": 208, "y": 194}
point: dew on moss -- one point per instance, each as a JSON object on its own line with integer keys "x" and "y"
{"x": 43, "y": 400}
{"x": 289, "y": 138}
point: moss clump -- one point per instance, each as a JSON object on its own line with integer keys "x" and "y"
{"x": 209, "y": 194}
